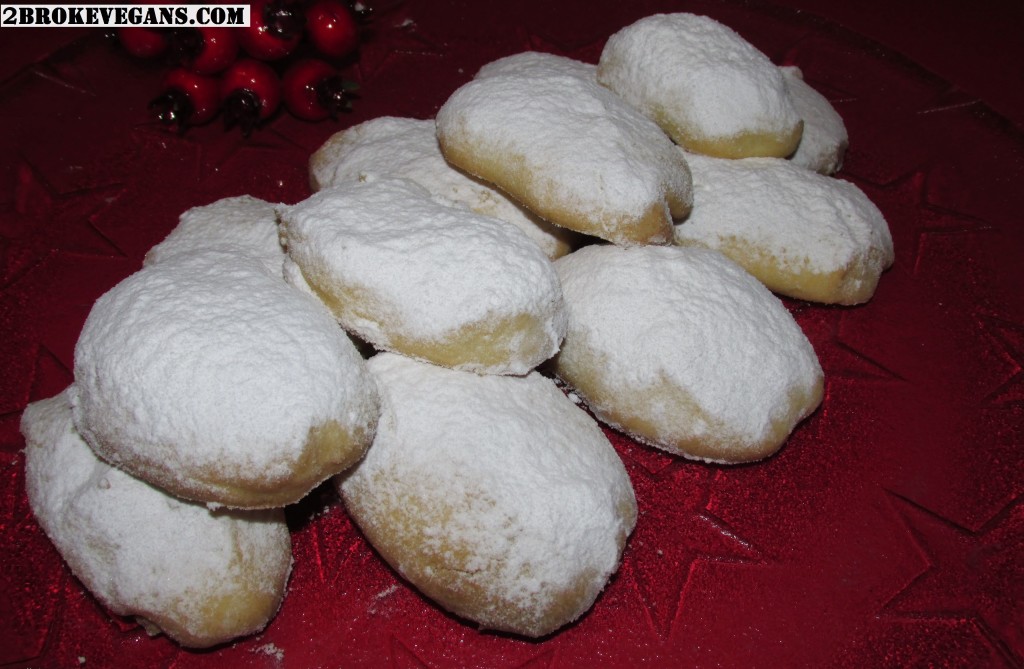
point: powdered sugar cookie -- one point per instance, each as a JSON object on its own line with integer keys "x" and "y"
{"x": 683, "y": 350}
{"x": 802, "y": 234}
{"x": 205, "y": 375}
{"x": 496, "y": 496}
{"x": 202, "y": 577}
{"x": 407, "y": 148}
{"x": 408, "y": 273}
{"x": 243, "y": 224}
{"x": 543, "y": 130}
{"x": 824, "y": 141}
{"x": 707, "y": 87}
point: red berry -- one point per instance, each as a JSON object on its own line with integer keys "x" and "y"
{"x": 205, "y": 50}
{"x": 275, "y": 29}
{"x": 251, "y": 92}
{"x": 331, "y": 28}
{"x": 188, "y": 99}
{"x": 142, "y": 42}
{"x": 314, "y": 90}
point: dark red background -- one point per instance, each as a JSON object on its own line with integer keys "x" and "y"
{"x": 888, "y": 532}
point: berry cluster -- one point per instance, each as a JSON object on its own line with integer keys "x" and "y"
{"x": 290, "y": 54}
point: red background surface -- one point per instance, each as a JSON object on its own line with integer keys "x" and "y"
{"x": 888, "y": 532}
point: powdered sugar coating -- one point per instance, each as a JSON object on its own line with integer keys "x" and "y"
{"x": 244, "y": 224}
{"x": 697, "y": 354}
{"x": 203, "y": 577}
{"x": 207, "y": 375}
{"x": 541, "y": 128}
{"x": 824, "y": 141}
{"x": 699, "y": 79}
{"x": 538, "y": 64}
{"x": 407, "y": 148}
{"x": 496, "y": 496}
{"x": 407, "y": 272}
{"x": 293, "y": 277}
{"x": 768, "y": 210}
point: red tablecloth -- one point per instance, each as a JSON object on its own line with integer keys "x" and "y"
{"x": 889, "y": 531}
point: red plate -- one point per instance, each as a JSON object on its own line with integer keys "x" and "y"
{"x": 889, "y": 531}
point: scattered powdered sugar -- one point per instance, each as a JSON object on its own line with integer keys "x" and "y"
{"x": 408, "y": 148}
{"x": 139, "y": 550}
{"x": 691, "y": 317}
{"x": 584, "y": 147}
{"x": 419, "y": 266}
{"x": 271, "y": 650}
{"x": 244, "y": 224}
{"x": 804, "y": 219}
{"x": 501, "y": 483}
{"x": 700, "y": 72}
{"x": 206, "y": 362}
{"x": 824, "y": 142}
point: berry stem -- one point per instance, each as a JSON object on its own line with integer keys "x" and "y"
{"x": 242, "y": 108}
{"x": 335, "y": 94}
{"x": 283, "y": 19}
{"x": 173, "y": 107}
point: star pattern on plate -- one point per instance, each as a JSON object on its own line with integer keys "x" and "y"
{"x": 189, "y": 161}
{"x": 967, "y": 574}
{"x": 839, "y": 358}
{"x": 51, "y": 374}
{"x": 804, "y": 54}
{"x": 660, "y": 569}
{"x": 906, "y": 198}
{"x": 86, "y": 634}
{"x": 889, "y": 641}
{"x": 62, "y": 66}
{"x": 935, "y": 222}
{"x": 324, "y": 534}
{"x": 843, "y": 362}
{"x": 403, "y": 657}
{"x": 41, "y": 220}
{"x": 209, "y": 161}
{"x": 1008, "y": 337}
{"x": 397, "y": 36}
{"x": 543, "y": 660}
{"x": 232, "y": 152}
{"x": 31, "y": 576}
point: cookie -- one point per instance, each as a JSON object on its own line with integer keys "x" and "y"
{"x": 244, "y": 224}
{"x": 712, "y": 91}
{"x": 495, "y": 496}
{"x": 407, "y": 148}
{"x": 408, "y": 273}
{"x": 202, "y": 577}
{"x": 683, "y": 350}
{"x": 543, "y": 130}
{"x": 825, "y": 140}
{"x": 207, "y": 376}
{"x": 803, "y": 234}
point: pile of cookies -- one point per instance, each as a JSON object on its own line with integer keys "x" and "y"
{"x": 208, "y": 394}
{"x": 622, "y": 226}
